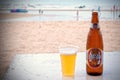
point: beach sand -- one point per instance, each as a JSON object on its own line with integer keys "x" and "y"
{"x": 37, "y": 37}
{"x": 46, "y": 37}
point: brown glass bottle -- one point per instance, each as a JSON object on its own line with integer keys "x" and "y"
{"x": 94, "y": 47}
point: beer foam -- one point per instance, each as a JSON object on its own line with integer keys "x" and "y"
{"x": 68, "y": 50}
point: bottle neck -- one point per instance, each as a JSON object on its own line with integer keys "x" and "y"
{"x": 95, "y": 19}
{"x": 95, "y": 25}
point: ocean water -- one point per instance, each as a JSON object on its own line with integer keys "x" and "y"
{"x": 58, "y": 3}
{"x": 63, "y": 15}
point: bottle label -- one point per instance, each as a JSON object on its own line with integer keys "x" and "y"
{"x": 94, "y": 57}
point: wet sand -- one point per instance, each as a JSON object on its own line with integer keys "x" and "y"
{"x": 15, "y": 15}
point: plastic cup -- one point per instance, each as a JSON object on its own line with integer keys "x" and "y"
{"x": 68, "y": 60}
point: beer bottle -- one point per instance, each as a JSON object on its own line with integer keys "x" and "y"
{"x": 94, "y": 47}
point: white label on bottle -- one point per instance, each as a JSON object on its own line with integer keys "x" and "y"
{"x": 94, "y": 57}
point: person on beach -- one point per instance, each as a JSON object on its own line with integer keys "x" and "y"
{"x": 117, "y": 11}
{"x": 114, "y": 8}
{"x": 77, "y": 15}
{"x": 92, "y": 10}
{"x": 99, "y": 10}
{"x": 41, "y": 11}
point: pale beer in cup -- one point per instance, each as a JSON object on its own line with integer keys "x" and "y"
{"x": 68, "y": 60}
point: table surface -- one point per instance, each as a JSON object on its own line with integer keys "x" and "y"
{"x": 47, "y": 67}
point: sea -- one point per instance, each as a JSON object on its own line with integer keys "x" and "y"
{"x": 97, "y": 5}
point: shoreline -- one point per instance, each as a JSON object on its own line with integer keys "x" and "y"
{"x": 15, "y": 15}
{"x": 21, "y": 17}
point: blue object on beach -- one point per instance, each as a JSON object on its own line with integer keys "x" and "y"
{"x": 19, "y": 10}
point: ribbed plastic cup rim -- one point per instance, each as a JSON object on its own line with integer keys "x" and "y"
{"x": 68, "y": 50}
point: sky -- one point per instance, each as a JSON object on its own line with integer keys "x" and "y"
{"x": 63, "y": 1}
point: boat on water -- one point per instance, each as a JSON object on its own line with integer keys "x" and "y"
{"x": 19, "y": 10}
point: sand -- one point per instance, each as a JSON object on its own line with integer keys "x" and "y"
{"x": 37, "y": 37}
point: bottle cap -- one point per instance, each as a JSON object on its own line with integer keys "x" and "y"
{"x": 94, "y": 18}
